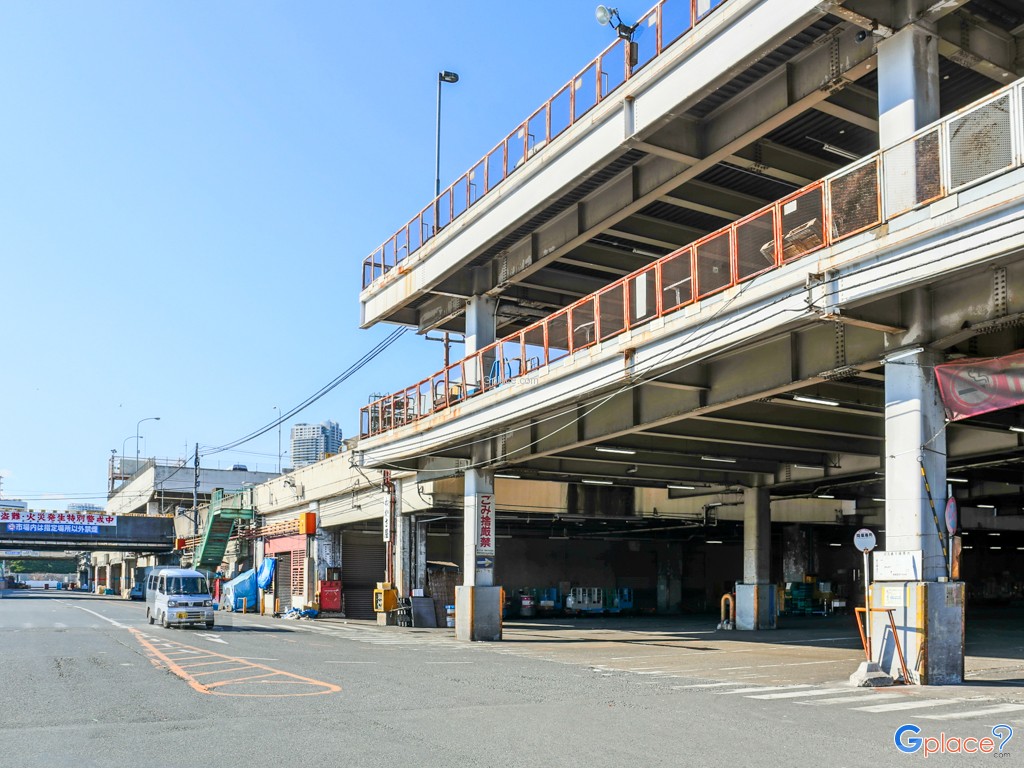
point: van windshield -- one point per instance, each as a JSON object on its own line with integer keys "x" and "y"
{"x": 187, "y": 585}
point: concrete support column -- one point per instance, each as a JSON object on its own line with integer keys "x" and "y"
{"x": 928, "y": 609}
{"x": 914, "y": 435}
{"x": 419, "y": 554}
{"x": 478, "y": 527}
{"x": 480, "y": 332}
{"x": 109, "y": 584}
{"x": 755, "y": 596}
{"x": 402, "y": 540}
{"x": 908, "y": 83}
{"x": 478, "y": 603}
{"x": 95, "y": 578}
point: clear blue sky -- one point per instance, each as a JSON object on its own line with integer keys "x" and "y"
{"x": 188, "y": 191}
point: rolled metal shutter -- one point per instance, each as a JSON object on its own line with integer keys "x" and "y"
{"x": 362, "y": 566}
{"x": 283, "y": 581}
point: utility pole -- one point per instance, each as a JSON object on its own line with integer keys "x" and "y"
{"x": 195, "y": 496}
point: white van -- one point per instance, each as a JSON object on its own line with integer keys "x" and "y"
{"x": 178, "y": 596}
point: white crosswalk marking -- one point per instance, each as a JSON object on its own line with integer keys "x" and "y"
{"x": 852, "y": 697}
{"x": 763, "y": 688}
{"x": 703, "y": 685}
{"x": 977, "y": 712}
{"x": 916, "y": 704}
{"x": 798, "y": 694}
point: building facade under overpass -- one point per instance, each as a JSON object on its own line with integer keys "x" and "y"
{"x": 718, "y": 268}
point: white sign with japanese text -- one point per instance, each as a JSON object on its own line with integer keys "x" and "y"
{"x": 485, "y": 524}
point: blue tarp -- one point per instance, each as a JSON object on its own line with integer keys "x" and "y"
{"x": 265, "y": 574}
{"x": 242, "y": 587}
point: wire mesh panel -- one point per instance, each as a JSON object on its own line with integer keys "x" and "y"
{"x": 560, "y": 108}
{"x": 803, "y": 223}
{"x": 477, "y": 185}
{"x": 854, "y": 200}
{"x": 676, "y": 20}
{"x": 512, "y": 361}
{"x": 613, "y": 67}
{"x": 558, "y": 336}
{"x": 537, "y": 131}
{"x": 643, "y": 297}
{"x": 516, "y": 150}
{"x": 533, "y": 347}
{"x": 713, "y": 264}
{"x": 981, "y": 142}
{"x": 582, "y": 321}
{"x": 913, "y": 173}
{"x": 676, "y": 280}
{"x": 495, "y": 166}
{"x": 586, "y": 91}
{"x": 611, "y": 303}
{"x": 646, "y": 39}
{"x": 756, "y": 249}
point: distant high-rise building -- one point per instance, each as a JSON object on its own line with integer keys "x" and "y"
{"x": 312, "y": 442}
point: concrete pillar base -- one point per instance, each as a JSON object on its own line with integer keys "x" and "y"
{"x": 478, "y": 613}
{"x": 870, "y": 675}
{"x": 929, "y": 618}
{"x": 755, "y": 606}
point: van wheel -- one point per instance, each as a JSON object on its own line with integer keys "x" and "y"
{"x": 164, "y": 622}
{"x": 150, "y": 617}
{"x": 209, "y": 625}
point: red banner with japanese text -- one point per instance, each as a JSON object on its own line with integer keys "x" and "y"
{"x": 972, "y": 387}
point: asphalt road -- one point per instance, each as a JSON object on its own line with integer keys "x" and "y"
{"x": 85, "y": 681}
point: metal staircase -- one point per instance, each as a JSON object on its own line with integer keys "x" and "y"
{"x": 220, "y": 523}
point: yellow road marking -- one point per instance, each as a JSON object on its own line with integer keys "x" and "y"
{"x": 270, "y": 676}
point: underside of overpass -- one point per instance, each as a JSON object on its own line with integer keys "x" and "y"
{"x": 685, "y": 190}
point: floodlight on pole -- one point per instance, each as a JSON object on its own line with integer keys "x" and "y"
{"x": 610, "y": 17}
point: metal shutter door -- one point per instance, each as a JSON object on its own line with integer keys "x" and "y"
{"x": 362, "y": 566}
{"x": 283, "y": 581}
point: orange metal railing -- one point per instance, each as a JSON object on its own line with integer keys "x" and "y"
{"x": 661, "y": 26}
{"x": 965, "y": 148}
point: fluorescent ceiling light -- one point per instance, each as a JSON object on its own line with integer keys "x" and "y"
{"x": 995, "y": 547}
{"x": 825, "y": 496}
{"x": 559, "y": 538}
{"x": 437, "y": 533}
{"x": 1017, "y": 429}
{"x": 993, "y": 534}
{"x": 840, "y": 152}
{"x": 878, "y": 499}
{"x": 815, "y": 400}
{"x": 714, "y": 541}
{"x": 503, "y": 536}
{"x": 957, "y": 480}
{"x": 806, "y": 466}
{"x": 506, "y": 477}
{"x": 608, "y": 449}
{"x": 718, "y": 458}
{"x": 986, "y": 506}
{"x": 597, "y": 482}
{"x": 833, "y": 544}
{"x": 967, "y": 546}
{"x": 902, "y": 353}
{"x": 683, "y": 487}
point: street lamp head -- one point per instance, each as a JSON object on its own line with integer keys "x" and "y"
{"x": 448, "y": 77}
{"x": 604, "y": 14}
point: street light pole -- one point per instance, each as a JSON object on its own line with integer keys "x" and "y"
{"x": 443, "y": 76}
{"x": 139, "y": 424}
{"x": 278, "y": 439}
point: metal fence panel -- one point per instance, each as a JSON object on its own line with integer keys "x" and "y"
{"x": 756, "y": 249}
{"x": 855, "y": 200}
{"x": 980, "y": 142}
{"x": 714, "y": 270}
{"x": 913, "y": 173}
{"x": 803, "y": 223}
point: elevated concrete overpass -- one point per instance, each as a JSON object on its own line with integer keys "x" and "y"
{"x": 682, "y": 287}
